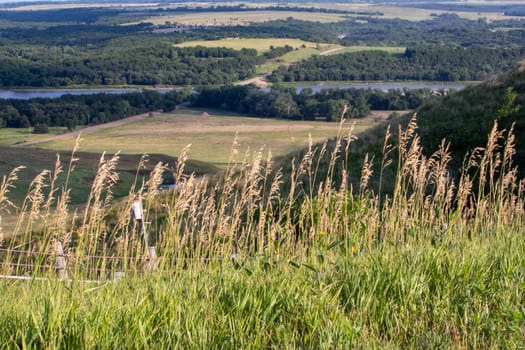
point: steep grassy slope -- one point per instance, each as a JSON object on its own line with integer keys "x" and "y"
{"x": 463, "y": 118}
{"x": 35, "y": 160}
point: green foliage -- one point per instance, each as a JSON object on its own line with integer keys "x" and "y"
{"x": 445, "y": 28}
{"x": 328, "y": 104}
{"x": 472, "y": 111}
{"x": 277, "y": 51}
{"x": 437, "y": 63}
{"x": 467, "y": 293}
{"x": 120, "y": 65}
{"x": 75, "y": 110}
{"x": 40, "y": 129}
{"x": 509, "y": 107}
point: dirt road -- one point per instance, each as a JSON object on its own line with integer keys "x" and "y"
{"x": 88, "y": 130}
{"x": 259, "y": 81}
{"x": 324, "y": 53}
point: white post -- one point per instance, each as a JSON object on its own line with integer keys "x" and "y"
{"x": 151, "y": 259}
{"x": 60, "y": 261}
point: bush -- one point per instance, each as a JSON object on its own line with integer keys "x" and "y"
{"x": 40, "y": 129}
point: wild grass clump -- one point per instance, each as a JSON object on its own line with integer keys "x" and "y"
{"x": 262, "y": 258}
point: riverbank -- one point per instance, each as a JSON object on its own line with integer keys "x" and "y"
{"x": 25, "y": 94}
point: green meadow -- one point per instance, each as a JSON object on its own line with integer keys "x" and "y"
{"x": 240, "y": 17}
{"x": 210, "y": 135}
{"x": 261, "y": 45}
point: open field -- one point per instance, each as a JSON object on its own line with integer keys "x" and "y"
{"x": 389, "y": 49}
{"x": 412, "y": 13}
{"x": 261, "y": 45}
{"x": 241, "y": 17}
{"x": 248, "y": 17}
{"x": 11, "y": 136}
{"x": 211, "y": 137}
{"x": 303, "y": 49}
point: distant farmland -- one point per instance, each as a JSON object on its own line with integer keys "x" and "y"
{"x": 241, "y": 17}
{"x": 260, "y": 45}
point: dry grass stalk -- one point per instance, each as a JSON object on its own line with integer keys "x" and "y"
{"x": 7, "y": 183}
{"x": 247, "y": 212}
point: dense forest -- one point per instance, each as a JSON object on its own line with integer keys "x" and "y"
{"x": 435, "y": 63}
{"x": 73, "y": 110}
{"x": 144, "y": 64}
{"x": 328, "y": 104}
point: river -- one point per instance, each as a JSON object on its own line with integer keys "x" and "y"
{"x": 384, "y": 86}
{"x": 23, "y": 94}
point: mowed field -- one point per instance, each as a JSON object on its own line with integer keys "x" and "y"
{"x": 241, "y": 17}
{"x": 261, "y": 45}
{"x": 211, "y": 134}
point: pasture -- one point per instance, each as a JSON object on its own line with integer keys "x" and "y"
{"x": 241, "y": 17}
{"x": 261, "y": 45}
{"x": 11, "y": 136}
{"x": 357, "y": 48}
{"x": 211, "y": 136}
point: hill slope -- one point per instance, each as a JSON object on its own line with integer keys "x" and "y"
{"x": 464, "y": 119}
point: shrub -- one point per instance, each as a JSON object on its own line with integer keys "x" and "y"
{"x": 40, "y": 129}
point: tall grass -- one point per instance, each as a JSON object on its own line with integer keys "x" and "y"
{"x": 259, "y": 258}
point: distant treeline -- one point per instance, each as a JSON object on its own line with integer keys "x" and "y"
{"x": 144, "y": 64}
{"x": 328, "y": 104}
{"x": 73, "y": 110}
{"x": 242, "y": 7}
{"x": 518, "y": 12}
{"x": 442, "y": 29}
{"x": 445, "y": 29}
{"x": 435, "y": 63}
{"x": 480, "y": 7}
{"x": 278, "y": 51}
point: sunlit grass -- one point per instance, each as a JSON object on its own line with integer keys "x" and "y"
{"x": 389, "y": 49}
{"x": 241, "y": 17}
{"x": 261, "y": 45}
{"x": 11, "y": 136}
{"x": 210, "y": 136}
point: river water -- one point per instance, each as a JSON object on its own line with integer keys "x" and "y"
{"x": 54, "y": 93}
{"x": 385, "y": 86}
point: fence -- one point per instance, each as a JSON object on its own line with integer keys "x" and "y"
{"x": 18, "y": 264}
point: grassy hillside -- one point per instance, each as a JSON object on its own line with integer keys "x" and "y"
{"x": 464, "y": 118}
{"x": 36, "y": 160}
{"x": 243, "y": 264}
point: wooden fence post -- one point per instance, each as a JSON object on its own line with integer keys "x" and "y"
{"x": 60, "y": 261}
{"x": 151, "y": 259}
